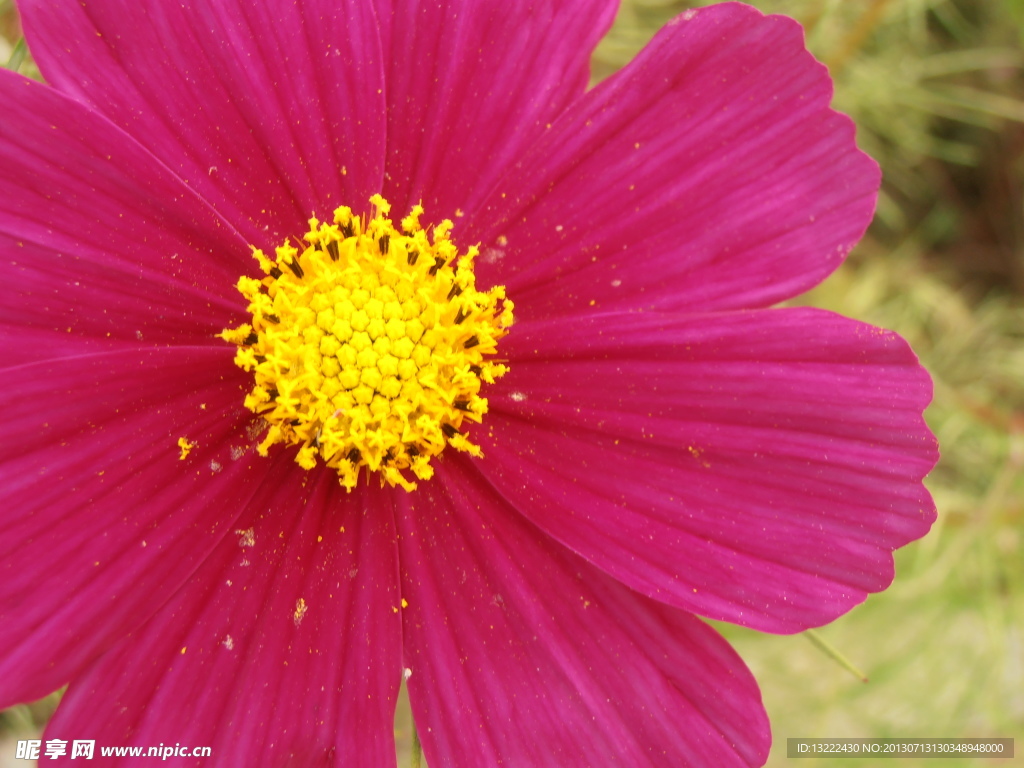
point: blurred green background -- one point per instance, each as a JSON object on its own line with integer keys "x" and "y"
{"x": 937, "y": 90}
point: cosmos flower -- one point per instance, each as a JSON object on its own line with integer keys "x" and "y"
{"x": 347, "y": 341}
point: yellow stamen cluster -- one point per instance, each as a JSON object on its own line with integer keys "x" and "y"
{"x": 368, "y": 345}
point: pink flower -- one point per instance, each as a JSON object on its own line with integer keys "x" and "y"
{"x": 663, "y": 445}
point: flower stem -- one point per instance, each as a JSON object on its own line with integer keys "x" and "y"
{"x": 416, "y": 753}
{"x": 17, "y": 56}
{"x": 830, "y": 650}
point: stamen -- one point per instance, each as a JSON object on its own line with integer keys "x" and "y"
{"x": 359, "y": 350}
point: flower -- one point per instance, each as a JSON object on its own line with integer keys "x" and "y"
{"x": 662, "y": 445}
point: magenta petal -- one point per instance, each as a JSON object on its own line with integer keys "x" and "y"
{"x": 708, "y": 174}
{"x": 272, "y": 111}
{"x": 101, "y": 520}
{"x": 472, "y": 84}
{"x": 282, "y": 650}
{"x": 520, "y": 653}
{"x": 756, "y": 467}
{"x": 101, "y": 245}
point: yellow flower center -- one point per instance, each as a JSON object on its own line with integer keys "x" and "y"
{"x": 369, "y": 346}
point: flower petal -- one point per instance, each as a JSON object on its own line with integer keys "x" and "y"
{"x": 521, "y": 653}
{"x": 708, "y": 174}
{"x": 472, "y": 84}
{"x": 102, "y": 245}
{"x": 755, "y": 467}
{"x": 102, "y": 521}
{"x": 282, "y": 649}
{"x": 272, "y": 111}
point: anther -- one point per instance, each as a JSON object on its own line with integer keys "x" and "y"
{"x": 358, "y": 408}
